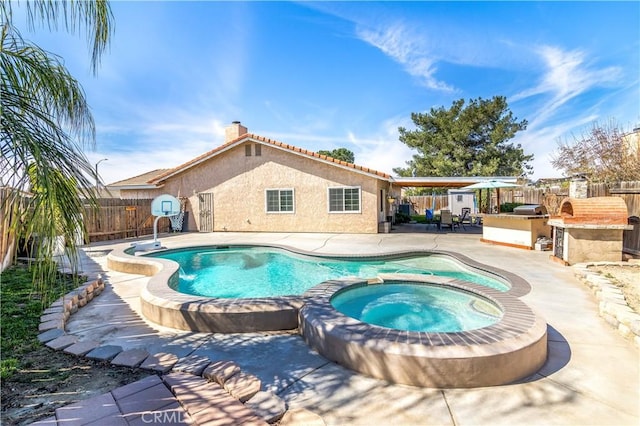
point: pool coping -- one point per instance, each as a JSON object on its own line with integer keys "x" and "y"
{"x": 165, "y": 306}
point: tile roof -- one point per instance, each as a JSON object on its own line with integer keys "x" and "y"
{"x": 142, "y": 179}
{"x": 249, "y": 136}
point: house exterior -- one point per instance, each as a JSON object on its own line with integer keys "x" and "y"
{"x": 255, "y": 184}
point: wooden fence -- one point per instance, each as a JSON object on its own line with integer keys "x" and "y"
{"x": 420, "y": 203}
{"x": 121, "y": 218}
{"x": 7, "y": 239}
{"x": 551, "y": 199}
{"x": 115, "y": 219}
{"x": 630, "y": 193}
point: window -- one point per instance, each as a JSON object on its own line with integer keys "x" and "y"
{"x": 279, "y": 200}
{"x": 247, "y": 150}
{"x": 258, "y": 150}
{"x": 345, "y": 199}
{"x": 459, "y": 198}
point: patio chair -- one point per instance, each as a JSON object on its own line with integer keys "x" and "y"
{"x": 465, "y": 218}
{"x": 446, "y": 219}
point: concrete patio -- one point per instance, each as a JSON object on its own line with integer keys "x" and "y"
{"x": 591, "y": 377}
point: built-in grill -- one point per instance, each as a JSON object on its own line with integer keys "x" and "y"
{"x": 530, "y": 210}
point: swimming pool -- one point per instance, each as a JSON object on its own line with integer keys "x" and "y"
{"x": 250, "y": 272}
{"x": 510, "y": 349}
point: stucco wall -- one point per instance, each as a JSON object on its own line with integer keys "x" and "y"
{"x": 514, "y": 230}
{"x": 238, "y": 184}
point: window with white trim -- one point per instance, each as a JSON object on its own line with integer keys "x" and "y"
{"x": 279, "y": 200}
{"x": 344, "y": 200}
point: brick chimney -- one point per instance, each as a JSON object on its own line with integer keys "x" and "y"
{"x": 234, "y": 131}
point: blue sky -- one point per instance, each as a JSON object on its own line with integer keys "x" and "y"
{"x": 347, "y": 74}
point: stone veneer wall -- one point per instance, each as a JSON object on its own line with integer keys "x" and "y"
{"x": 592, "y": 245}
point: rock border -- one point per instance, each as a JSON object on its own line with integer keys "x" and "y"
{"x": 612, "y": 307}
{"x": 238, "y": 385}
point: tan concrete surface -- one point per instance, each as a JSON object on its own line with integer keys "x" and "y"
{"x": 592, "y": 375}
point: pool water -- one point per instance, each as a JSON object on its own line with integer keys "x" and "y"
{"x": 247, "y": 272}
{"x": 416, "y": 307}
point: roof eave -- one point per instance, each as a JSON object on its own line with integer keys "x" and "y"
{"x": 278, "y": 145}
{"x": 328, "y": 160}
{"x": 136, "y": 186}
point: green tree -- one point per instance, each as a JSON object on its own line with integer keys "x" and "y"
{"x": 340, "y": 154}
{"x": 605, "y": 153}
{"x": 466, "y": 140}
{"x": 45, "y": 124}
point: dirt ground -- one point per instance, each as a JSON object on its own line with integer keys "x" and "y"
{"x": 627, "y": 278}
{"x": 54, "y": 379}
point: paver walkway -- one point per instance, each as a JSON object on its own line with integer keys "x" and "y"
{"x": 592, "y": 375}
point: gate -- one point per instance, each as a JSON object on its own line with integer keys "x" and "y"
{"x": 205, "y": 201}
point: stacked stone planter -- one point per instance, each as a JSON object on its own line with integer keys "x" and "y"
{"x": 613, "y": 306}
{"x": 54, "y": 318}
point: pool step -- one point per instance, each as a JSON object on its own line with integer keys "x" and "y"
{"x": 220, "y": 371}
{"x": 208, "y": 403}
{"x": 242, "y": 386}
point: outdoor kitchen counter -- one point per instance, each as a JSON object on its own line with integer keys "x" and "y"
{"x": 515, "y": 230}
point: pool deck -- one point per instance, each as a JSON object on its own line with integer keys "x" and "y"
{"x": 591, "y": 377}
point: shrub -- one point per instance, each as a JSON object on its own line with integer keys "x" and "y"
{"x": 508, "y": 207}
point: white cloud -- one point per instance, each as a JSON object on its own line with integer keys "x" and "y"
{"x": 383, "y": 151}
{"x": 155, "y": 138}
{"x": 542, "y": 142}
{"x": 408, "y": 49}
{"x": 567, "y": 76}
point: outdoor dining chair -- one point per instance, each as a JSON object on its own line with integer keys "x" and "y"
{"x": 465, "y": 218}
{"x": 446, "y": 219}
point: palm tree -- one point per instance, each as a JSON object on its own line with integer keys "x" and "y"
{"x": 46, "y": 123}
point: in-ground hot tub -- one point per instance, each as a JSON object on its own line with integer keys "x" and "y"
{"x": 414, "y": 306}
{"x": 512, "y": 347}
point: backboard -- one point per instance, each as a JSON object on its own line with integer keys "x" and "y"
{"x": 165, "y": 205}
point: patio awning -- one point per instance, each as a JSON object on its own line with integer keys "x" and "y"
{"x": 448, "y": 182}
